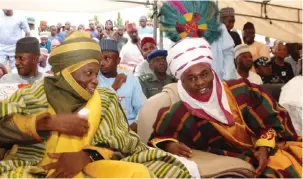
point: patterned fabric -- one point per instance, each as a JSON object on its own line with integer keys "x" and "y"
{"x": 191, "y": 28}
{"x": 182, "y": 19}
{"x": 113, "y": 133}
{"x": 62, "y": 91}
{"x": 262, "y": 61}
{"x": 109, "y": 45}
{"x": 188, "y": 52}
{"x": 130, "y": 94}
{"x": 259, "y": 120}
{"x": 77, "y": 47}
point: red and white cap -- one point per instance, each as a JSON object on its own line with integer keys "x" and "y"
{"x": 188, "y": 52}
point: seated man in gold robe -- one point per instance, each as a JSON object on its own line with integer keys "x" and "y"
{"x": 234, "y": 118}
{"x": 64, "y": 126}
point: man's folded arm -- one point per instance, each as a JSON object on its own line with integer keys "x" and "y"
{"x": 22, "y": 128}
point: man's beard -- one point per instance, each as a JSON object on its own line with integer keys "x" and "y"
{"x": 135, "y": 40}
{"x": 249, "y": 42}
{"x": 246, "y": 68}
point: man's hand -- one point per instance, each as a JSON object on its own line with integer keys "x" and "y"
{"x": 179, "y": 149}
{"x": 69, "y": 124}
{"x": 50, "y": 72}
{"x": 67, "y": 165}
{"x": 119, "y": 80}
{"x": 262, "y": 156}
{"x": 134, "y": 127}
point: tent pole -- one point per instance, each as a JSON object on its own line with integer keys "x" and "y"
{"x": 155, "y": 15}
{"x": 161, "y": 39}
{"x": 273, "y": 19}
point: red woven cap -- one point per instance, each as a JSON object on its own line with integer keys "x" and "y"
{"x": 148, "y": 40}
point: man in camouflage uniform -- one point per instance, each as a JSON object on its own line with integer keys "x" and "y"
{"x": 153, "y": 83}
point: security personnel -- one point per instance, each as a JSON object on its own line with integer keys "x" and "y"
{"x": 153, "y": 83}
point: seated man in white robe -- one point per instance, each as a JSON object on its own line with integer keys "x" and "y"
{"x": 244, "y": 62}
{"x": 291, "y": 99}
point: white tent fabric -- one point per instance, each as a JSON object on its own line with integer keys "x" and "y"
{"x": 252, "y": 11}
{"x": 88, "y": 6}
{"x": 284, "y": 17}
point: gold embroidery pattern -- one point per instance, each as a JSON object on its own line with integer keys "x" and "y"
{"x": 267, "y": 139}
{"x": 269, "y": 135}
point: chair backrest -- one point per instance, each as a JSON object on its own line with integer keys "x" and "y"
{"x": 169, "y": 96}
{"x": 149, "y": 111}
{"x": 209, "y": 165}
{"x": 274, "y": 90}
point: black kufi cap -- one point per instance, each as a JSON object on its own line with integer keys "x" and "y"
{"x": 28, "y": 45}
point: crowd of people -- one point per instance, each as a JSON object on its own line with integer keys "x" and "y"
{"x": 67, "y": 71}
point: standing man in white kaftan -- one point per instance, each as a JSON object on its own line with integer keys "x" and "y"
{"x": 11, "y": 27}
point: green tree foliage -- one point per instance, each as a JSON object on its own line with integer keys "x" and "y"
{"x": 119, "y": 21}
{"x": 96, "y": 20}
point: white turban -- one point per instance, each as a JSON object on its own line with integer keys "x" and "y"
{"x": 188, "y": 52}
{"x": 44, "y": 34}
{"x": 242, "y": 48}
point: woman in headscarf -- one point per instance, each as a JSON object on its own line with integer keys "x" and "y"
{"x": 64, "y": 126}
{"x": 234, "y": 118}
{"x": 109, "y": 29}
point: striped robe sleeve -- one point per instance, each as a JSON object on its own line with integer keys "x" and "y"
{"x": 17, "y": 122}
{"x": 263, "y": 115}
{"x": 114, "y": 133}
{"x": 166, "y": 125}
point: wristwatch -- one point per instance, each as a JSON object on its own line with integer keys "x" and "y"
{"x": 93, "y": 155}
{"x": 271, "y": 151}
